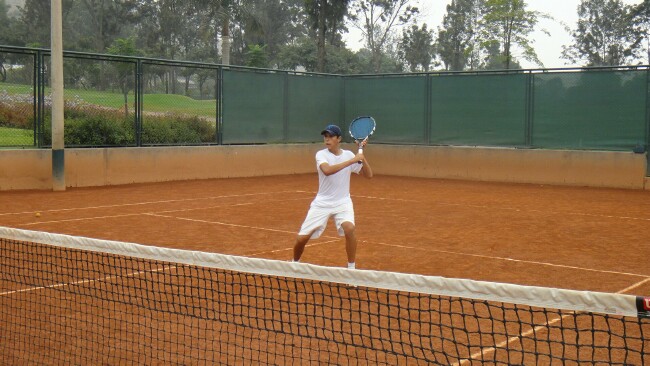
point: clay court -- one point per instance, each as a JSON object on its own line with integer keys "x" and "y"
{"x": 580, "y": 238}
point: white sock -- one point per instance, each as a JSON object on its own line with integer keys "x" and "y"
{"x": 295, "y": 261}
{"x": 351, "y": 265}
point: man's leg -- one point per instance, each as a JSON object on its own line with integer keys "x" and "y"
{"x": 299, "y": 247}
{"x": 350, "y": 243}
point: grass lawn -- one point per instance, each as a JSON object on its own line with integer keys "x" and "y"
{"x": 10, "y": 137}
{"x": 158, "y": 103}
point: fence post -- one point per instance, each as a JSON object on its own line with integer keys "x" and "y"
{"x": 530, "y": 107}
{"x": 285, "y": 111}
{"x": 427, "y": 110}
{"x": 40, "y": 117}
{"x": 219, "y": 97}
{"x": 647, "y": 122}
{"x": 138, "y": 103}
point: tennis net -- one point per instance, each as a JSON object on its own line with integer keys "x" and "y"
{"x": 76, "y": 300}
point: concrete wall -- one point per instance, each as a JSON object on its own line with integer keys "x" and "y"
{"x": 32, "y": 169}
{"x": 560, "y": 167}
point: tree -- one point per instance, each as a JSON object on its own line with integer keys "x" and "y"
{"x": 104, "y": 20}
{"x": 256, "y": 56}
{"x": 640, "y": 18}
{"x": 417, "y": 48}
{"x": 509, "y": 24}
{"x": 304, "y": 55}
{"x": 494, "y": 58}
{"x": 327, "y": 21}
{"x": 271, "y": 23}
{"x": 221, "y": 11}
{"x": 377, "y": 19}
{"x": 604, "y": 35}
{"x": 5, "y": 23}
{"x": 459, "y": 44}
{"x": 268, "y": 23}
{"x": 125, "y": 71}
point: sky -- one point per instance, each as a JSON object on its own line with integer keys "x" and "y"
{"x": 548, "y": 48}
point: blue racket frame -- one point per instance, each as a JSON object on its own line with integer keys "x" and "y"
{"x": 361, "y": 128}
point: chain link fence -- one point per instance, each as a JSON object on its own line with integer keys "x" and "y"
{"x": 133, "y": 101}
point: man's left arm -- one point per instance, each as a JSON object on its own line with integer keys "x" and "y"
{"x": 366, "y": 170}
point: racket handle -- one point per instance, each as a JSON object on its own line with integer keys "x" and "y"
{"x": 360, "y": 152}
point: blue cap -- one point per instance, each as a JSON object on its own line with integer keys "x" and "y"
{"x": 333, "y": 130}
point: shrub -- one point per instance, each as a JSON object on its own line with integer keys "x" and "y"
{"x": 16, "y": 110}
{"x": 176, "y": 129}
{"x": 93, "y": 125}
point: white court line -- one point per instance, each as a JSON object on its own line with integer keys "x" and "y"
{"x": 221, "y": 223}
{"x": 292, "y": 232}
{"x": 126, "y": 215}
{"x": 287, "y": 249}
{"x": 363, "y": 241}
{"x": 509, "y": 259}
{"x": 108, "y": 278}
{"x": 490, "y": 350}
{"x": 569, "y": 213}
{"x": 152, "y": 202}
{"x": 427, "y": 249}
{"x": 151, "y": 213}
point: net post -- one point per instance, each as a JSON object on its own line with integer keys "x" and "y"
{"x": 58, "y": 144}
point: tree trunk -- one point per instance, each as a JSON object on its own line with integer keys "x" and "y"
{"x": 126, "y": 104}
{"x": 225, "y": 42}
{"x": 320, "y": 66}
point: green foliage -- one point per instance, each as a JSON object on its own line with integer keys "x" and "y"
{"x": 177, "y": 130}
{"x": 256, "y": 56}
{"x": 88, "y": 125}
{"x": 16, "y": 137}
{"x": 339, "y": 60}
{"x": 604, "y": 36}
{"x": 416, "y": 47}
{"x": 508, "y": 23}
{"x": 377, "y": 20}
{"x": 459, "y": 37}
{"x": 97, "y": 131}
{"x": 326, "y": 18}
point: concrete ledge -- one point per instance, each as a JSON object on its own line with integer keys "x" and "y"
{"x": 560, "y": 167}
{"x": 32, "y": 169}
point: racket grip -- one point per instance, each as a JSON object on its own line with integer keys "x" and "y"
{"x": 360, "y": 152}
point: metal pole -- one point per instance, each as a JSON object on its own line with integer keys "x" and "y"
{"x": 58, "y": 161}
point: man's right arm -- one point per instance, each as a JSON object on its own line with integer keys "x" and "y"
{"x": 333, "y": 169}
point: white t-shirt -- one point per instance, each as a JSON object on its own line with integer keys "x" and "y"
{"x": 334, "y": 190}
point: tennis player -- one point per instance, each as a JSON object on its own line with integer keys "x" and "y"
{"x": 334, "y": 165}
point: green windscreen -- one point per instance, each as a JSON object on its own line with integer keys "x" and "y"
{"x": 398, "y": 104}
{"x": 488, "y": 110}
{"x": 313, "y": 103}
{"x": 253, "y": 107}
{"x": 590, "y": 110}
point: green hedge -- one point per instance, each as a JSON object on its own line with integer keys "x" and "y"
{"x": 91, "y": 125}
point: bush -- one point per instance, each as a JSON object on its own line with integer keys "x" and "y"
{"x": 16, "y": 110}
{"x": 176, "y": 129}
{"x": 93, "y": 125}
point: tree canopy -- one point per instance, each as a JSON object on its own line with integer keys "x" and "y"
{"x": 310, "y": 34}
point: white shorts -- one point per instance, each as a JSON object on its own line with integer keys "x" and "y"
{"x": 317, "y": 217}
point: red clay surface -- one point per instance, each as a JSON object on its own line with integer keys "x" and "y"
{"x": 568, "y": 237}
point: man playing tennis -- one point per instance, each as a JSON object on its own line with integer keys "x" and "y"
{"x": 334, "y": 167}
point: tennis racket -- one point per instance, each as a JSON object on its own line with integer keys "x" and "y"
{"x": 362, "y": 128}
